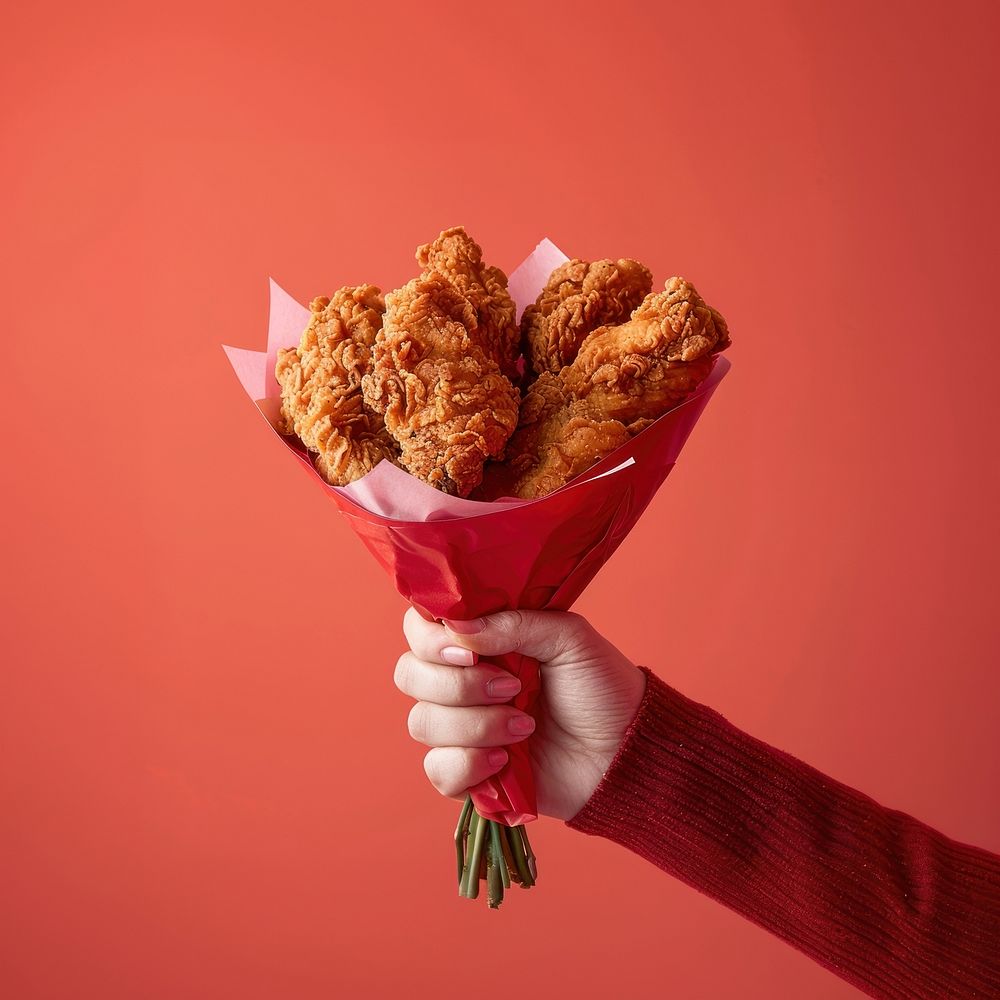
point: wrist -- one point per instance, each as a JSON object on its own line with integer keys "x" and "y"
{"x": 631, "y": 696}
{"x": 654, "y": 753}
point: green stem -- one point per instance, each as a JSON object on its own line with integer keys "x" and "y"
{"x": 471, "y": 887}
{"x": 494, "y": 884}
{"x": 498, "y": 859}
{"x": 470, "y": 840}
{"x": 507, "y": 856}
{"x": 520, "y": 861}
{"x": 460, "y": 832}
{"x": 529, "y": 854}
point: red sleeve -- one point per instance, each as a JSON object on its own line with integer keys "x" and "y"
{"x": 877, "y": 897}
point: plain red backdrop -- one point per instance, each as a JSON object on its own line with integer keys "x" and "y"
{"x": 207, "y": 785}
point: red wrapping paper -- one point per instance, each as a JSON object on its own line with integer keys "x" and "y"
{"x": 463, "y": 559}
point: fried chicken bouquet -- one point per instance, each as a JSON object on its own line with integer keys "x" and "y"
{"x": 490, "y": 462}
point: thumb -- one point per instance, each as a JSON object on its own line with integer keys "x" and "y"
{"x": 543, "y": 635}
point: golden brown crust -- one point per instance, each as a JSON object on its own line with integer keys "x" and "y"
{"x": 644, "y": 390}
{"x": 557, "y": 438}
{"x": 321, "y": 399}
{"x": 623, "y": 377}
{"x": 673, "y": 325}
{"x": 459, "y": 259}
{"x": 543, "y": 401}
{"x": 430, "y": 388}
{"x": 436, "y": 380}
{"x": 578, "y": 298}
{"x": 642, "y": 368}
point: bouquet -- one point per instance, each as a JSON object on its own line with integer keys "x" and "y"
{"x": 491, "y": 442}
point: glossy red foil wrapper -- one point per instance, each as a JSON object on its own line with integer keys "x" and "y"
{"x": 462, "y": 559}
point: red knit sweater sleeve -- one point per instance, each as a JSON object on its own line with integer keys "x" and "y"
{"x": 877, "y": 897}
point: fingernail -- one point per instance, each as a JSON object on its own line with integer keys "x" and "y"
{"x": 473, "y": 627}
{"x": 458, "y": 656}
{"x": 496, "y": 757}
{"x": 503, "y": 687}
{"x": 521, "y": 725}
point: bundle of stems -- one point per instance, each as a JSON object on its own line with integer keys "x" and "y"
{"x": 491, "y": 852}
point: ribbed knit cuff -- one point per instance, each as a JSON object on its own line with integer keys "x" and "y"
{"x": 616, "y": 805}
{"x": 877, "y": 897}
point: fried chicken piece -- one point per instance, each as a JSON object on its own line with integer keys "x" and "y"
{"x": 557, "y": 438}
{"x": 321, "y": 399}
{"x": 640, "y": 369}
{"x": 437, "y": 372}
{"x": 622, "y": 379}
{"x": 578, "y": 298}
{"x": 459, "y": 259}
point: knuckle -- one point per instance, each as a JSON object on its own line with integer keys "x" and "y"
{"x": 401, "y": 675}
{"x": 432, "y": 768}
{"x": 438, "y": 772}
{"x": 407, "y": 620}
{"x": 413, "y": 626}
{"x": 416, "y": 722}
{"x": 485, "y": 726}
{"x": 468, "y": 727}
{"x": 511, "y": 626}
{"x": 572, "y": 632}
{"x": 456, "y": 686}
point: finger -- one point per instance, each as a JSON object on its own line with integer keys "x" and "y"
{"x": 431, "y": 641}
{"x": 486, "y": 726}
{"x": 544, "y": 635}
{"x": 454, "y": 770}
{"x": 483, "y": 684}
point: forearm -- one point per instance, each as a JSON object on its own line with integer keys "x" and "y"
{"x": 879, "y": 898}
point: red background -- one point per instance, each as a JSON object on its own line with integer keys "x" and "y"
{"x": 207, "y": 785}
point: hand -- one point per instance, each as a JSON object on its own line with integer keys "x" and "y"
{"x": 590, "y": 693}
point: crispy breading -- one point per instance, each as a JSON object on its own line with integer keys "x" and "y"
{"x": 557, "y": 438}
{"x": 432, "y": 388}
{"x": 640, "y": 369}
{"x": 436, "y": 379}
{"x": 321, "y": 399}
{"x": 578, "y": 298}
{"x": 623, "y": 377}
{"x": 642, "y": 389}
{"x": 459, "y": 259}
